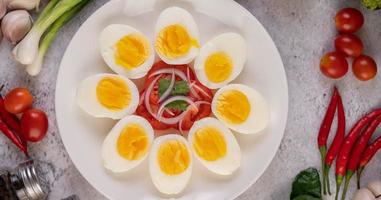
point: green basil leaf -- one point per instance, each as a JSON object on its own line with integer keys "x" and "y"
{"x": 307, "y": 182}
{"x": 163, "y": 85}
{"x": 180, "y": 88}
{"x": 178, "y": 105}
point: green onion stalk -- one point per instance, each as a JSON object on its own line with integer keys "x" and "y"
{"x": 35, "y": 68}
{"x": 27, "y": 50}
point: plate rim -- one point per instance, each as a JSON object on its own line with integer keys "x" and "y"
{"x": 283, "y": 123}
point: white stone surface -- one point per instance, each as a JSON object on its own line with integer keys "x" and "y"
{"x": 302, "y": 30}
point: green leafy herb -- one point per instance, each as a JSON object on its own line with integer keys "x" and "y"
{"x": 372, "y": 4}
{"x": 306, "y": 186}
{"x": 180, "y": 87}
{"x": 163, "y": 85}
{"x": 177, "y": 105}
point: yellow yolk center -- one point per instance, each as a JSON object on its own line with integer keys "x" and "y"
{"x": 173, "y": 157}
{"x": 132, "y": 143}
{"x": 218, "y": 67}
{"x": 174, "y": 41}
{"x": 131, "y": 51}
{"x": 233, "y": 106}
{"x": 113, "y": 93}
{"x": 209, "y": 143}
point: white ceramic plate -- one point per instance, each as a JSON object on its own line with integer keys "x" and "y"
{"x": 82, "y": 135}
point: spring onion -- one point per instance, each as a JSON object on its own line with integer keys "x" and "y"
{"x": 35, "y": 68}
{"x": 27, "y": 50}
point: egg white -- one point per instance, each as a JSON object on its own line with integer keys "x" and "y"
{"x": 109, "y": 38}
{"x": 110, "y": 156}
{"x": 259, "y": 116}
{"x": 169, "y": 184}
{"x": 232, "y": 44}
{"x": 231, "y": 161}
{"x": 176, "y": 15}
{"x": 87, "y": 97}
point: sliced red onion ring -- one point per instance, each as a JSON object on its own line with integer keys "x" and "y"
{"x": 169, "y": 71}
{"x": 202, "y": 91}
{"x": 169, "y": 89}
{"x": 147, "y": 94}
{"x": 198, "y": 103}
{"x": 141, "y": 98}
{"x": 169, "y": 111}
{"x": 176, "y": 119}
{"x": 172, "y": 99}
{"x": 192, "y": 90}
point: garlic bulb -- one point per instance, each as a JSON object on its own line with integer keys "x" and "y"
{"x": 15, "y": 25}
{"x": 364, "y": 194}
{"x": 3, "y": 8}
{"x": 23, "y": 4}
{"x": 375, "y": 188}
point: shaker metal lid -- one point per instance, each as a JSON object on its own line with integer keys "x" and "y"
{"x": 34, "y": 185}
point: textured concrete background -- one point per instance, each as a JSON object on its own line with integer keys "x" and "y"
{"x": 302, "y": 30}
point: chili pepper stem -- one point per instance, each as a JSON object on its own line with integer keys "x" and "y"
{"x": 358, "y": 174}
{"x": 323, "y": 152}
{"x": 339, "y": 181}
{"x": 348, "y": 177}
{"x": 326, "y": 174}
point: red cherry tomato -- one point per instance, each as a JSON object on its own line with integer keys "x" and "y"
{"x": 334, "y": 65}
{"x": 349, "y": 44}
{"x": 349, "y": 20}
{"x": 364, "y": 68}
{"x": 18, "y": 100}
{"x": 34, "y": 125}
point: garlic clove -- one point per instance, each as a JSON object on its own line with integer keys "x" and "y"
{"x": 23, "y": 4}
{"x": 1, "y": 35}
{"x": 3, "y": 8}
{"x": 364, "y": 194}
{"x": 15, "y": 25}
{"x": 375, "y": 188}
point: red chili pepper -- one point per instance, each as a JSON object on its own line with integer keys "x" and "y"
{"x": 349, "y": 141}
{"x": 337, "y": 141}
{"x": 358, "y": 150}
{"x": 324, "y": 131}
{"x": 368, "y": 154}
{"x": 13, "y": 137}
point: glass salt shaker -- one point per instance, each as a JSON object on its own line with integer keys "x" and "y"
{"x": 22, "y": 183}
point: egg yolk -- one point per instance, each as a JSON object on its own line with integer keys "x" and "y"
{"x": 173, "y": 157}
{"x": 132, "y": 143}
{"x": 209, "y": 143}
{"x": 113, "y": 93}
{"x": 131, "y": 51}
{"x": 233, "y": 106}
{"x": 218, "y": 67}
{"x": 174, "y": 41}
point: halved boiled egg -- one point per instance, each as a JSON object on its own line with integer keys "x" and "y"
{"x": 127, "y": 144}
{"x": 215, "y": 146}
{"x": 221, "y": 60}
{"x": 241, "y": 108}
{"x": 176, "y": 36}
{"x": 170, "y": 163}
{"x": 126, "y": 50}
{"x": 107, "y": 95}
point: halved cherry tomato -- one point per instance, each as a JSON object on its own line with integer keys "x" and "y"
{"x": 18, "y": 100}
{"x": 349, "y": 44}
{"x": 334, "y": 65}
{"x": 364, "y": 68}
{"x": 349, "y": 20}
{"x": 34, "y": 125}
